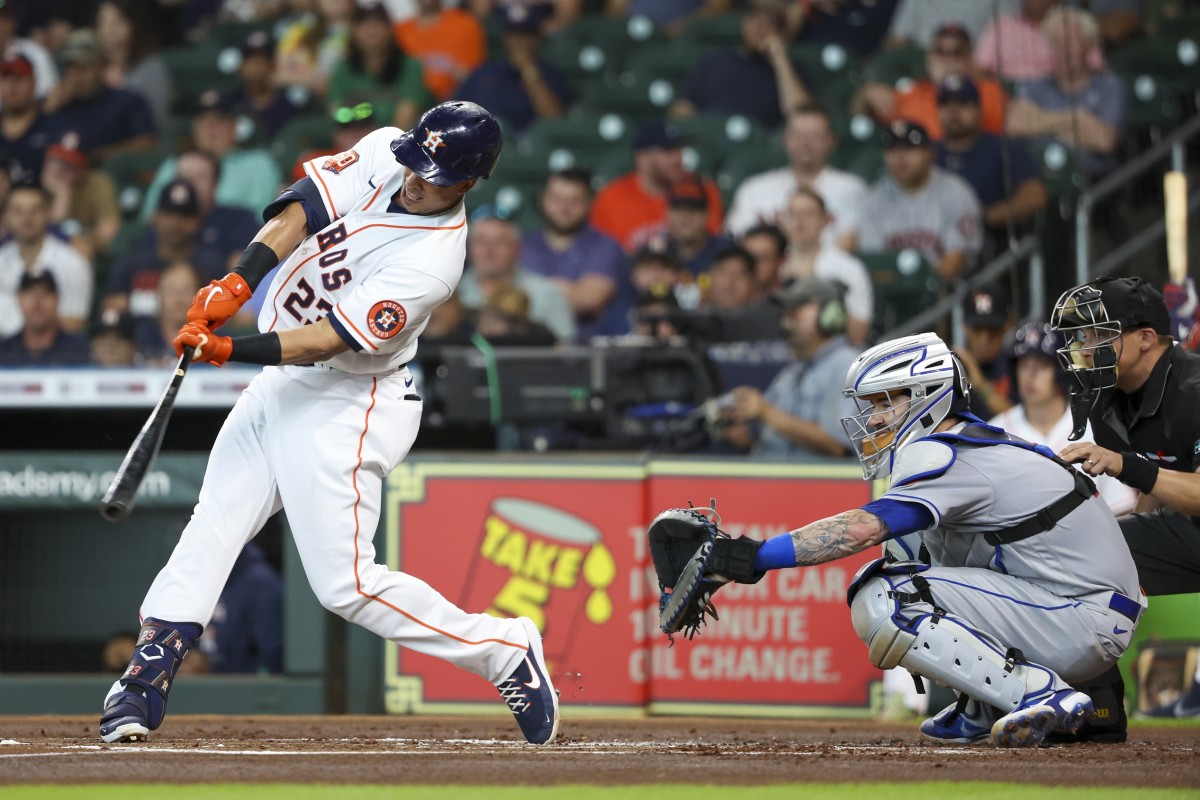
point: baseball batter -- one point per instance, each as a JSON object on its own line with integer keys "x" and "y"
{"x": 1030, "y": 585}
{"x": 372, "y": 240}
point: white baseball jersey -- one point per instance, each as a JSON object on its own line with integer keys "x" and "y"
{"x": 320, "y": 439}
{"x": 942, "y": 216}
{"x": 375, "y": 271}
{"x": 764, "y": 197}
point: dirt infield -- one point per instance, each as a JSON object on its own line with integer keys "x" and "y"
{"x": 428, "y": 750}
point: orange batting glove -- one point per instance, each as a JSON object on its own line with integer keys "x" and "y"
{"x": 216, "y": 303}
{"x": 208, "y": 346}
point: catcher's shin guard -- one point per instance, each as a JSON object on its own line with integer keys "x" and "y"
{"x": 137, "y": 702}
{"x": 938, "y": 646}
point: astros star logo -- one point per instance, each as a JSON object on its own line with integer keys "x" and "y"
{"x": 433, "y": 140}
{"x": 386, "y": 318}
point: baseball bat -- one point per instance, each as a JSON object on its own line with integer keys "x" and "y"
{"x": 122, "y": 492}
{"x": 1175, "y": 193}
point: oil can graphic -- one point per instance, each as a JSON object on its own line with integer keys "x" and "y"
{"x": 550, "y": 565}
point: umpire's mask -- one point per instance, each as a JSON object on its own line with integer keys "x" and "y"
{"x": 1092, "y": 318}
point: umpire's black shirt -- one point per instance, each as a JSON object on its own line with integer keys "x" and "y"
{"x": 1161, "y": 419}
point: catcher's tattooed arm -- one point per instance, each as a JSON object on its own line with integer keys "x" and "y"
{"x": 838, "y": 536}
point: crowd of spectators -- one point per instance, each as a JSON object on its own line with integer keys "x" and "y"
{"x": 951, "y": 174}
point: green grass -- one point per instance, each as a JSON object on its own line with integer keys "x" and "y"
{"x": 809, "y": 791}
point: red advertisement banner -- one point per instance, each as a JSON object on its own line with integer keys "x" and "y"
{"x": 565, "y": 545}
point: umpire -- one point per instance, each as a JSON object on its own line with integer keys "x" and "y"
{"x": 1141, "y": 392}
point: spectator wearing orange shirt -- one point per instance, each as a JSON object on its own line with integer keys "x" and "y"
{"x": 949, "y": 54}
{"x": 449, "y": 42}
{"x": 633, "y": 208}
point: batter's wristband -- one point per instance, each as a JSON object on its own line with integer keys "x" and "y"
{"x": 1139, "y": 472}
{"x": 261, "y": 348}
{"x": 257, "y": 260}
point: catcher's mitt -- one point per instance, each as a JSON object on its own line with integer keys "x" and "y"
{"x": 693, "y": 559}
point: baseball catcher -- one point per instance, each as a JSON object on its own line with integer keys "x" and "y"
{"x": 1028, "y": 587}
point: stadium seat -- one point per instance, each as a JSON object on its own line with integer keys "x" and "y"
{"x": 894, "y": 65}
{"x": 833, "y": 70}
{"x": 904, "y": 283}
{"x": 1060, "y": 171}
{"x": 233, "y": 34}
{"x": 301, "y": 133}
{"x": 613, "y": 164}
{"x": 1161, "y": 57}
{"x": 133, "y": 172}
{"x": 1155, "y": 103}
{"x": 718, "y": 138}
{"x": 599, "y": 42}
{"x": 581, "y": 130}
{"x": 197, "y": 68}
{"x": 671, "y": 62}
{"x": 630, "y": 94}
{"x": 719, "y": 31}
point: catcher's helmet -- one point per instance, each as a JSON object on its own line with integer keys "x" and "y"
{"x": 923, "y": 383}
{"x": 1092, "y": 318}
{"x": 451, "y": 143}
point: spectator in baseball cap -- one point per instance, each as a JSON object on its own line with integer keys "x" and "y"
{"x": 949, "y": 53}
{"x": 250, "y": 177}
{"x": 35, "y": 52}
{"x": 1000, "y": 170}
{"x": 42, "y": 341}
{"x": 633, "y": 207}
{"x": 988, "y": 320}
{"x": 110, "y": 120}
{"x": 920, "y": 206}
{"x": 687, "y": 232}
{"x": 83, "y": 200}
{"x": 257, "y": 96}
{"x": 26, "y": 130}
{"x": 519, "y": 86}
{"x": 112, "y": 342}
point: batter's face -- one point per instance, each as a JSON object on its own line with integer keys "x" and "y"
{"x": 419, "y": 196}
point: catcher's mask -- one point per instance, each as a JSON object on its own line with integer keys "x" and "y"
{"x": 903, "y": 390}
{"x": 1092, "y": 319}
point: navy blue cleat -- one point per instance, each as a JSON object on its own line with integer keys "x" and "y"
{"x": 529, "y": 693}
{"x": 125, "y": 717}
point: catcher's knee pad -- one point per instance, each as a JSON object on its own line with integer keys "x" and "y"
{"x": 160, "y": 649}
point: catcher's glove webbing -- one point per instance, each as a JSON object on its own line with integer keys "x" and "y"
{"x": 693, "y": 558}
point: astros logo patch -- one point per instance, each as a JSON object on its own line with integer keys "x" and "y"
{"x": 386, "y": 319}
{"x": 336, "y": 164}
{"x": 433, "y": 140}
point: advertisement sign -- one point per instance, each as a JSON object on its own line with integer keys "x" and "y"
{"x": 784, "y": 645}
{"x": 548, "y": 542}
{"x": 565, "y": 544}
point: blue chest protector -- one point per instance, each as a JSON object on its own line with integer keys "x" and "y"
{"x": 980, "y": 434}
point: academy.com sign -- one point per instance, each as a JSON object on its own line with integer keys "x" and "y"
{"x": 84, "y": 487}
{"x": 61, "y": 480}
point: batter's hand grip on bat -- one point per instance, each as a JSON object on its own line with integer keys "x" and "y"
{"x": 122, "y": 492}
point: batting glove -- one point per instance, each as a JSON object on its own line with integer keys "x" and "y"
{"x": 216, "y": 303}
{"x": 208, "y": 346}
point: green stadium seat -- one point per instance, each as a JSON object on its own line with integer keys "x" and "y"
{"x": 197, "y": 68}
{"x": 1162, "y": 57}
{"x": 631, "y": 95}
{"x": 864, "y": 159}
{"x": 133, "y": 172}
{"x": 301, "y": 133}
{"x": 834, "y": 71}
{"x": 601, "y": 43}
{"x": 234, "y": 34}
{"x": 1155, "y": 103}
{"x": 719, "y": 31}
{"x": 717, "y": 138}
{"x": 671, "y": 62}
{"x": 893, "y": 65}
{"x": 904, "y": 283}
{"x": 1060, "y": 172}
{"x": 613, "y": 164}
{"x": 581, "y": 130}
